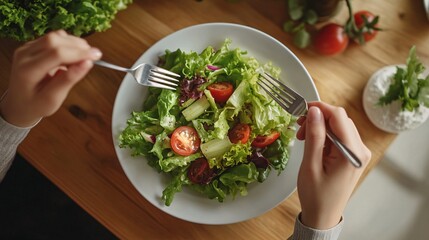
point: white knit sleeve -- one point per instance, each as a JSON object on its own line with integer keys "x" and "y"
{"x": 302, "y": 232}
{"x": 10, "y": 137}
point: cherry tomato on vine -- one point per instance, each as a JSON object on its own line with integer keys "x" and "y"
{"x": 185, "y": 141}
{"x": 263, "y": 141}
{"x": 331, "y": 39}
{"x": 239, "y": 133}
{"x": 221, "y": 91}
{"x": 368, "y": 32}
{"x": 199, "y": 171}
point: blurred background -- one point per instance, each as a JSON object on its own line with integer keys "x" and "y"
{"x": 392, "y": 203}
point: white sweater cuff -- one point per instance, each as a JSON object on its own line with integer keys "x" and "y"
{"x": 302, "y": 232}
{"x": 10, "y": 137}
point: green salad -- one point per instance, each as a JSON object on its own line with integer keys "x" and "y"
{"x": 218, "y": 132}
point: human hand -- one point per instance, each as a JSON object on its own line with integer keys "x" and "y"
{"x": 326, "y": 179}
{"x": 43, "y": 72}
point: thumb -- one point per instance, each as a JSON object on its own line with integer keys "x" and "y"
{"x": 315, "y": 136}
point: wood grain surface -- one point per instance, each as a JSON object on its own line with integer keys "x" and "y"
{"x": 74, "y": 147}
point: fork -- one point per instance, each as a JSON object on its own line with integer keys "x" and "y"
{"x": 147, "y": 75}
{"x": 296, "y": 105}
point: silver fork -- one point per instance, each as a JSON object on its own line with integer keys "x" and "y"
{"x": 147, "y": 75}
{"x": 296, "y": 105}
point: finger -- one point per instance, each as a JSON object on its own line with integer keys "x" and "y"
{"x": 315, "y": 136}
{"x": 300, "y": 134}
{"x": 56, "y": 70}
{"x": 362, "y": 151}
{"x": 67, "y": 79}
{"x": 61, "y": 38}
{"x": 301, "y": 120}
{"x": 78, "y": 71}
{"x": 338, "y": 121}
{"x": 57, "y": 88}
{"x": 54, "y": 58}
{"x": 52, "y": 40}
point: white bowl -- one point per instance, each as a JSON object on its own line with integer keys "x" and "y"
{"x": 389, "y": 118}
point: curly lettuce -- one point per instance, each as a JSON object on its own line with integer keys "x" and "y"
{"x": 24, "y": 20}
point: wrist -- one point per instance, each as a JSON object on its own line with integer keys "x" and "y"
{"x": 13, "y": 116}
{"x": 320, "y": 221}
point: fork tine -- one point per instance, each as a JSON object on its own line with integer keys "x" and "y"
{"x": 275, "y": 91}
{"x": 165, "y": 77}
{"x": 285, "y": 89}
{"x": 164, "y": 71}
{"x": 282, "y": 104}
{"x": 147, "y": 74}
{"x": 278, "y": 91}
{"x": 157, "y": 85}
{"x": 277, "y": 81}
{"x": 161, "y": 81}
{"x": 287, "y": 98}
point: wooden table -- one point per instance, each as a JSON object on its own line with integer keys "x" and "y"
{"x": 74, "y": 147}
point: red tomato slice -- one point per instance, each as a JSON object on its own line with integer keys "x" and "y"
{"x": 221, "y": 91}
{"x": 185, "y": 141}
{"x": 360, "y": 23}
{"x": 239, "y": 133}
{"x": 331, "y": 39}
{"x": 263, "y": 141}
{"x": 199, "y": 171}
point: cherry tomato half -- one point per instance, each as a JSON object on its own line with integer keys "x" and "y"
{"x": 199, "y": 171}
{"x": 221, "y": 91}
{"x": 263, "y": 141}
{"x": 185, "y": 141}
{"x": 368, "y": 34}
{"x": 331, "y": 39}
{"x": 239, "y": 133}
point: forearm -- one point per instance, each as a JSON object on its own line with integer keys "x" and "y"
{"x": 10, "y": 137}
{"x": 302, "y": 232}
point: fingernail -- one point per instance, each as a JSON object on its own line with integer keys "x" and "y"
{"x": 314, "y": 115}
{"x": 95, "y": 53}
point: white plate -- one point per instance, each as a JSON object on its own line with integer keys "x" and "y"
{"x": 188, "y": 205}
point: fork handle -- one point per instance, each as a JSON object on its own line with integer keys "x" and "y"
{"x": 345, "y": 150}
{"x": 112, "y": 66}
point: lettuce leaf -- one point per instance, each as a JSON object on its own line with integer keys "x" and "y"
{"x": 162, "y": 142}
{"x": 179, "y": 179}
{"x": 25, "y": 20}
{"x": 167, "y": 101}
{"x": 237, "y": 178}
{"x": 236, "y": 102}
{"x": 171, "y": 163}
{"x": 214, "y": 190}
{"x": 277, "y": 155}
{"x": 134, "y": 136}
{"x": 236, "y": 155}
{"x": 268, "y": 115}
{"x": 232, "y": 182}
